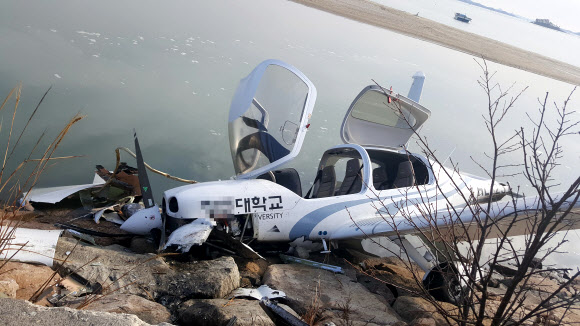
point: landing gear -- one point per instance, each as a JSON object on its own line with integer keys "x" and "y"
{"x": 443, "y": 283}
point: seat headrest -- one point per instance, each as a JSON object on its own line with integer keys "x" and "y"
{"x": 352, "y": 166}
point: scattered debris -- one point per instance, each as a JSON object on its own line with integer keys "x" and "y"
{"x": 332, "y": 268}
{"x": 54, "y": 195}
{"x": 194, "y": 233}
{"x": 82, "y": 236}
{"x": 263, "y": 291}
{"x": 29, "y": 245}
{"x": 279, "y": 315}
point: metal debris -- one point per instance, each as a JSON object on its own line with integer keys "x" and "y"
{"x": 263, "y": 291}
{"x": 290, "y": 259}
{"x": 279, "y": 315}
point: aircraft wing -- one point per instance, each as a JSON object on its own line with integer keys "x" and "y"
{"x": 521, "y": 214}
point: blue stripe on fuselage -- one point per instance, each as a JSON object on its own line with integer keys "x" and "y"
{"x": 306, "y": 224}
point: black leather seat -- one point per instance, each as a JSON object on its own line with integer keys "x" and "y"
{"x": 405, "y": 176}
{"x": 380, "y": 178}
{"x": 325, "y": 186}
{"x": 352, "y": 182}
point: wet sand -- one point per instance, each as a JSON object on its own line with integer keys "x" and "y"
{"x": 401, "y": 22}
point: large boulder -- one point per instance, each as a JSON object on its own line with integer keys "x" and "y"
{"x": 123, "y": 271}
{"x": 404, "y": 276}
{"x": 29, "y": 277}
{"x": 24, "y": 313}
{"x": 333, "y": 295}
{"x": 148, "y": 311}
{"x": 217, "y": 312}
{"x": 209, "y": 279}
{"x": 114, "y": 267}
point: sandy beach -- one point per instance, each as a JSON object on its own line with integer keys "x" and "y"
{"x": 401, "y": 22}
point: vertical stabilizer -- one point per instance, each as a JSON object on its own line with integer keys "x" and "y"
{"x": 417, "y": 86}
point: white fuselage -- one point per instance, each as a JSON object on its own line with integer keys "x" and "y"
{"x": 278, "y": 214}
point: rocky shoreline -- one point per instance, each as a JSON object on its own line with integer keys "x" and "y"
{"x": 122, "y": 281}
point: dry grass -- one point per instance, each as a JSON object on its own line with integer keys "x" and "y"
{"x": 17, "y": 181}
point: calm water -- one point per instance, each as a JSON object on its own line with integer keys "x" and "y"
{"x": 170, "y": 69}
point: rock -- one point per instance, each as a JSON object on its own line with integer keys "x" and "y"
{"x": 536, "y": 263}
{"x": 336, "y": 293}
{"x": 411, "y": 308}
{"x": 377, "y": 287}
{"x": 506, "y": 270}
{"x": 423, "y": 322}
{"x": 9, "y": 288}
{"x": 148, "y": 311}
{"x": 395, "y": 272}
{"x": 29, "y": 277}
{"x": 496, "y": 293}
{"x": 245, "y": 282}
{"x": 217, "y": 312}
{"x": 23, "y": 313}
{"x": 252, "y": 270}
{"x": 200, "y": 280}
{"x": 541, "y": 284}
{"x": 115, "y": 267}
{"x": 495, "y": 282}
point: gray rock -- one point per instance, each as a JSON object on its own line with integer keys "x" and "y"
{"x": 210, "y": 279}
{"x": 148, "y": 311}
{"x": 423, "y": 322}
{"x": 304, "y": 285}
{"x": 23, "y": 313}
{"x": 506, "y": 270}
{"x": 376, "y": 286}
{"x": 116, "y": 267}
{"x": 217, "y": 312}
{"x": 411, "y": 308}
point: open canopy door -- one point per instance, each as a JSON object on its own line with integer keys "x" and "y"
{"x": 268, "y": 117}
{"x": 381, "y": 118}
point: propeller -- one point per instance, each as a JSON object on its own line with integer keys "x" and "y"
{"x": 149, "y": 218}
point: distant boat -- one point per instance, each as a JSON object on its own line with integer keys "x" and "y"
{"x": 462, "y": 17}
{"x": 546, "y": 23}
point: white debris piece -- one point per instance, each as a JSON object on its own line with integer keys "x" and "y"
{"x": 143, "y": 221}
{"x": 31, "y": 246}
{"x": 194, "y": 233}
{"x": 53, "y": 195}
{"x": 259, "y": 293}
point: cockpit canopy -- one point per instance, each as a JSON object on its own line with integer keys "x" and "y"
{"x": 268, "y": 117}
{"x": 381, "y": 118}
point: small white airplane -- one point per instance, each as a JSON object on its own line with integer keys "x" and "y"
{"x": 268, "y": 121}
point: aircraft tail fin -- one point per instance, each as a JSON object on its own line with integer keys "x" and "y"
{"x": 417, "y": 86}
